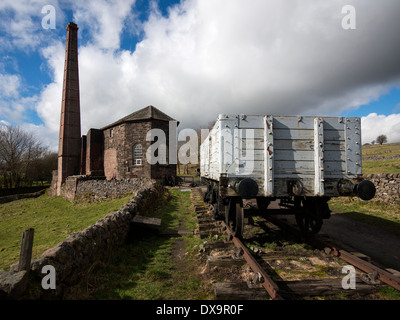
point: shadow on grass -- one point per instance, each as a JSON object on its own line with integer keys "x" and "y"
{"x": 376, "y": 213}
{"x": 167, "y": 211}
{"x": 390, "y": 226}
{"x": 142, "y": 269}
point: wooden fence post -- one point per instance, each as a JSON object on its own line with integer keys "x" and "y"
{"x": 25, "y": 254}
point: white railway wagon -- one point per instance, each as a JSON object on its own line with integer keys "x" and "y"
{"x": 301, "y": 160}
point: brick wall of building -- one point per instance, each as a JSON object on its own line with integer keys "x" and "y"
{"x": 160, "y": 171}
{"x": 118, "y": 151}
{"x": 114, "y": 139}
{"x": 136, "y": 134}
{"x": 119, "y": 142}
{"x": 94, "y": 153}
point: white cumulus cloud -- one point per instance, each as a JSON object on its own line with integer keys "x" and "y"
{"x": 228, "y": 56}
{"x": 374, "y": 125}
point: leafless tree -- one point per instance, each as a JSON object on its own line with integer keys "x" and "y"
{"x": 19, "y": 150}
{"x": 381, "y": 139}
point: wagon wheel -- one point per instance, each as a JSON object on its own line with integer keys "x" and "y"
{"x": 229, "y": 213}
{"x": 218, "y": 212}
{"x": 215, "y": 201}
{"x": 213, "y": 195}
{"x": 234, "y": 216}
{"x": 309, "y": 215}
{"x": 238, "y": 222}
{"x": 207, "y": 194}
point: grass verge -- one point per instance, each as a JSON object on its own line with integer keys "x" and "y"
{"x": 381, "y": 166}
{"x": 156, "y": 267}
{"x": 53, "y": 220}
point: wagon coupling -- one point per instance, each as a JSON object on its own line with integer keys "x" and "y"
{"x": 365, "y": 190}
{"x": 246, "y": 188}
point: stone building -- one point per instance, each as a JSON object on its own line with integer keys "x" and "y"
{"x": 119, "y": 149}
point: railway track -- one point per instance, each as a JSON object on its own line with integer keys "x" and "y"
{"x": 288, "y": 267}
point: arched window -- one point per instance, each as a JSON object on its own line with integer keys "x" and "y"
{"x": 137, "y": 155}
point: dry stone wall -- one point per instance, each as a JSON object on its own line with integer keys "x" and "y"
{"x": 15, "y": 197}
{"x": 387, "y": 187}
{"x": 83, "y": 250}
{"x": 77, "y": 188}
{"x": 109, "y": 189}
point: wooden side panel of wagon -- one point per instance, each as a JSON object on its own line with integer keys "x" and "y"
{"x": 274, "y": 150}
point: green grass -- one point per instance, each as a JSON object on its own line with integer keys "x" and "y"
{"x": 389, "y": 293}
{"x": 385, "y": 150}
{"x": 145, "y": 270}
{"x": 148, "y": 268}
{"x": 53, "y": 220}
{"x": 171, "y": 206}
{"x": 383, "y": 165}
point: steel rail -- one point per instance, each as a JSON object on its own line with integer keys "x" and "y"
{"x": 266, "y": 281}
{"x": 272, "y": 288}
{"x": 386, "y": 277}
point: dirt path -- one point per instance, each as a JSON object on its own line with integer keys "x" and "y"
{"x": 178, "y": 252}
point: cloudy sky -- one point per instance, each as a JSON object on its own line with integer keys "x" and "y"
{"x": 194, "y": 59}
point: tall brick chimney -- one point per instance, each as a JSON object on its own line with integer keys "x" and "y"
{"x": 69, "y": 148}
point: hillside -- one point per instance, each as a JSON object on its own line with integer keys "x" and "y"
{"x": 381, "y": 158}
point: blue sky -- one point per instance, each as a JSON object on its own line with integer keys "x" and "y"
{"x": 194, "y": 59}
{"x": 386, "y": 104}
{"x": 30, "y": 65}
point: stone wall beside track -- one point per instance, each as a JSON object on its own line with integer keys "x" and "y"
{"x": 387, "y": 187}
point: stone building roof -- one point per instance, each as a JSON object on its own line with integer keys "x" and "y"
{"x": 146, "y": 113}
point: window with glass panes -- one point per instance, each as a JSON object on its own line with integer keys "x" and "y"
{"x": 137, "y": 154}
